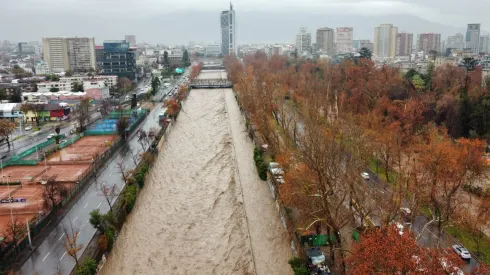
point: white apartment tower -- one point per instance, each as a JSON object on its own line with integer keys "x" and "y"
{"x": 325, "y": 41}
{"x": 385, "y": 41}
{"x": 455, "y": 41}
{"x": 303, "y": 41}
{"x": 81, "y": 53}
{"x": 344, "y": 40}
{"x": 63, "y": 54}
{"x": 55, "y": 53}
{"x": 473, "y": 38}
{"x": 228, "y": 36}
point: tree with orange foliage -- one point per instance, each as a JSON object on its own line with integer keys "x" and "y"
{"x": 103, "y": 243}
{"x": 71, "y": 242}
{"x": 182, "y": 92}
{"x": 196, "y": 70}
{"x": 384, "y": 251}
{"x": 323, "y": 185}
{"x": 445, "y": 166}
{"x": 173, "y": 107}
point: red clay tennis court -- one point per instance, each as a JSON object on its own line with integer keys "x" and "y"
{"x": 23, "y": 174}
{"x": 5, "y": 219}
{"x": 64, "y": 172}
{"x": 31, "y": 196}
{"x": 83, "y": 149}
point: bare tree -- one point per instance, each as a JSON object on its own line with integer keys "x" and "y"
{"x": 143, "y": 139}
{"x": 82, "y": 113}
{"x": 15, "y": 230}
{"x": 7, "y": 127}
{"x": 71, "y": 245}
{"x": 110, "y": 191}
{"x": 122, "y": 170}
{"x": 53, "y": 192}
{"x": 134, "y": 156}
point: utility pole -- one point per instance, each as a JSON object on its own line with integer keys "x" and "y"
{"x": 29, "y": 233}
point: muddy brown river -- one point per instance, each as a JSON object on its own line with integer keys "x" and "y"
{"x": 203, "y": 210}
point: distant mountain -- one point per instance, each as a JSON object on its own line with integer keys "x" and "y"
{"x": 182, "y": 27}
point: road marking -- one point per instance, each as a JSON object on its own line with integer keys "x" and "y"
{"x": 95, "y": 193}
{"x": 63, "y": 256}
{"x": 45, "y": 257}
{"x": 61, "y": 237}
{"x": 85, "y": 205}
{"x": 87, "y": 221}
{"x": 99, "y": 205}
{"x": 75, "y": 219}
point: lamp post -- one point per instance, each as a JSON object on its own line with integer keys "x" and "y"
{"x": 45, "y": 164}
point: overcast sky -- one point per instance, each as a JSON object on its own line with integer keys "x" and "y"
{"x": 171, "y": 22}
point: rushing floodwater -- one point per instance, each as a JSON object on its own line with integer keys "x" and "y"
{"x": 203, "y": 210}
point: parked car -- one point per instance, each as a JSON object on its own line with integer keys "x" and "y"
{"x": 275, "y": 168}
{"x": 400, "y": 228}
{"x": 365, "y": 175}
{"x": 63, "y": 141}
{"x": 28, "y": 128}
{"x": 51, "y": 136}
{"x": 462, "y": 252}
{"x": 315, "y": 256}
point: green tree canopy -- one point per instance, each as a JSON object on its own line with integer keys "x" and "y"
{"x": 185, "y": 59}
{"x": 418, "y": 82}
{"x": 166, "y": 62}
{"x": 365, "y": 53}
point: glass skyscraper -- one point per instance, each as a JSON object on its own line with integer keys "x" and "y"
{"x": 119, "y": 59}
{"x": 228, "y": 45}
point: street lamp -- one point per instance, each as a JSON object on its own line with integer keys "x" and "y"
{"x": 10, "y": 197}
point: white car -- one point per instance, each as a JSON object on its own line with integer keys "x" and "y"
{"x": 462, "y": 252}
{"x": 51, "y": 136}
{"x": 365, "y": 175}
{"x": 315, "y": 256}
{"x": 400, "y": 228}
{"x": 28, "y": 128}
{"x": 275, "y": 169}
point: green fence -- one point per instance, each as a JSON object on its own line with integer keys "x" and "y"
{"x": 125, "y": 113}
{"x": 17, "y": 159}
{"x": 71, "y": 141}
{"x": 32, "y": 149}
{"x": 138, "y": 120}
{"x": 98, "y": 133}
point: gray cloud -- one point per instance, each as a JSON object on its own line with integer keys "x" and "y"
{"x": 258, "y": 20}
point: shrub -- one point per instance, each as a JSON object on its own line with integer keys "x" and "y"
{"x": 130, "y": 197}
{"x": 88, "y": 267}
{"x": 111, "y": 237}
{"x": 140, "y": 174}
{"x": 298, "y": 266}
{"x": 259, "y": 162}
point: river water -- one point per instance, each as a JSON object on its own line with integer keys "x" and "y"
{"x": 203, "y": 210}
